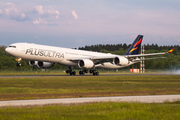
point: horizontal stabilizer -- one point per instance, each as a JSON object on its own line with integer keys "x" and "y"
{"x": 139, "y": 60}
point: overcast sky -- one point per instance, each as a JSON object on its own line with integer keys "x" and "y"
{"x": 76, "y": 23}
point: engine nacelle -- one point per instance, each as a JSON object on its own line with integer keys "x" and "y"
{"x": 121, "y": 61}
{"x": 44, "y": 64}
{"x": 85, "y": 63}
{"x": 33, "y": 63}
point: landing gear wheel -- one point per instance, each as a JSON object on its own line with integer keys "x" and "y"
{"x": 92, "y": 71}
{"x": 85, "y": 71}
{"x": 81, "y": 72}
{"x": 74, "y": 72}
{"x": 67, "y": 71}
{"x": 18, "y": 64}
{"x": 70, "y": 71}
{"x": 95, "y": 73}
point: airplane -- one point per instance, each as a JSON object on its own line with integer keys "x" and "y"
{"x": 44, "y": 56}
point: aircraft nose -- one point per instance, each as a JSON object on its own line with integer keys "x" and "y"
{"x": 7, "y": 50}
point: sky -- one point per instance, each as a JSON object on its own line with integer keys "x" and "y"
{"x": 77, "y": 23}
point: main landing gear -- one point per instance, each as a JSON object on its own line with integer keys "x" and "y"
{"x": 83, "y": 72}
{"x": 70, "y": 71}
{"x": 86, "y": 71}
{"x": 94, "y": 72}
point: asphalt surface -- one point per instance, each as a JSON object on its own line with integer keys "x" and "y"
{"x": 65, "y": 101}
{"x": 16, "y": 76}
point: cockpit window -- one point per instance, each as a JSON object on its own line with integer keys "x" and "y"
{"x": 12, "y": 46}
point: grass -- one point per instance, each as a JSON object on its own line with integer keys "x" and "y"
{"x": 94, "y": 111}
{"x": 87, "y": 86}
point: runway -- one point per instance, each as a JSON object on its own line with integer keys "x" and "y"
{"x": 65, "y": 101}
{"x": 19, "y": 76}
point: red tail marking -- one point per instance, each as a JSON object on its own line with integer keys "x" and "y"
{"x": 137, "y": 43}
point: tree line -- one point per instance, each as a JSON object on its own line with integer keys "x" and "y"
{"x": 113, "y": 47}
{"x": 7, "y": 62}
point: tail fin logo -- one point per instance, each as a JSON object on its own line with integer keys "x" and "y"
{"x": 133, "y": 49}
{"x": 137, "y": 43}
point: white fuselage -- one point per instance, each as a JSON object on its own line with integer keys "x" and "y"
{"x": 58, "y": 55}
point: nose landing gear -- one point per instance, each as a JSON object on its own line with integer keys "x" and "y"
{"x": 18, "y": 62}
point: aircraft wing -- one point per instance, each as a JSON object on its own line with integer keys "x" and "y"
{"x": 133, "y": 58}
{"x": 94, "y": 57}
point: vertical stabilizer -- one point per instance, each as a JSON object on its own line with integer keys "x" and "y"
{"x": 135, "y": 47}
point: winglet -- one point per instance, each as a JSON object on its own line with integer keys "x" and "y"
{"x": 170, "y": 51}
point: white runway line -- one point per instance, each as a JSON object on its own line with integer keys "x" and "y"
{"x": 141, "y": 99}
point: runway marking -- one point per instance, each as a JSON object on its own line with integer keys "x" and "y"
{"x": 141, "y": 99}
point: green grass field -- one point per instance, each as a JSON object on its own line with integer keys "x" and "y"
{"x": 87, "y": 86}
{"x": 94, "y": 111}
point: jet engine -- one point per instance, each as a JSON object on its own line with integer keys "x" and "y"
{"x": 121, "y": 61}
{"x": 33, "y": 63}
{"x": 44, "y": 64}
{"x": 85, "y": 63}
